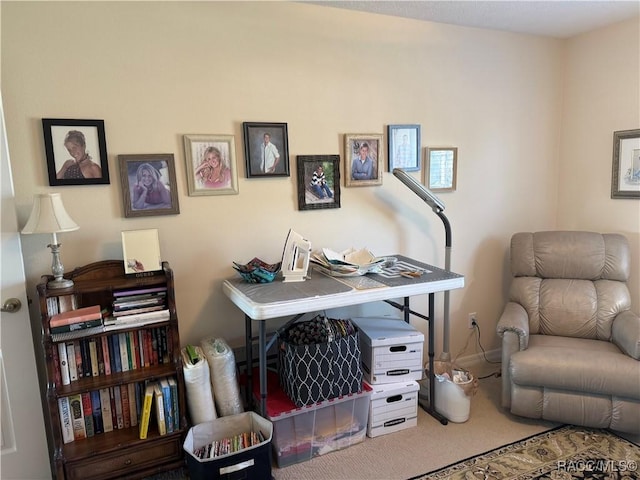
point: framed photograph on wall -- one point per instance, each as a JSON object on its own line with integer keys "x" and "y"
{"x": 363, "y": 159}
{"x": 625, "y": 177}
{"x": 211, "y": 164}
{"x": 149, "y": 184}
{"x": 266, "y": 149}
{"x": 318, "y": 181}
{"x": 404, "y": 147}
{"x": 441, "y": 169}
{"x": 76, "y": 151}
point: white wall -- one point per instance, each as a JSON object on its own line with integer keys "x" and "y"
{"x": 155, "y": 71}
{"x": 602, "y": 95}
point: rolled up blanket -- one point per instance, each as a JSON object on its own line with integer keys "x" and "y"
{"x": 222, "y": 368}
{"x": 198, "y": 385}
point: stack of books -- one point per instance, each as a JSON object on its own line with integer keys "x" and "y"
{"x": 164, "y": 393}
{"x": 138, "y": 307}
{"x": 76, "y": 323}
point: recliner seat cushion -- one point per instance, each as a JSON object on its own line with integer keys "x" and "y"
{"x": 579, "y": 365}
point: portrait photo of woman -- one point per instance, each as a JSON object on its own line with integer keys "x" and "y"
{"x": 211, "y": 164}
{"x": 76, "y": 151}
{"x": 149, "y": 184}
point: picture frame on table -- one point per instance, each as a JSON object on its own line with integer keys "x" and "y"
{"x": 441, "y": 169}
{"x": 404, "y": 147}
{"x": 149, "y": 184}
{"x": 266, "y": 149}
{"x": 76, "y": 151}
{"x": 211, "y": 164}
{"x": 318, "y": 181}
{"x": 141, "y": 252}
{"x": 625, "y": 175}
{"x": 363, "y": 159}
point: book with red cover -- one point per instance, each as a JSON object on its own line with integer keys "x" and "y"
{"x": 74, "y": 316}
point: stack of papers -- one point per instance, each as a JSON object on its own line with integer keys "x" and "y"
{"x": 349, "y": 263}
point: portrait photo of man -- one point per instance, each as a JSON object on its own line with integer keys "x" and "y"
{"x": 266, "y": 149}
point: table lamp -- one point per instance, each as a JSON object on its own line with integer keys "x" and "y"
{"x": 437, "y": 206}
{"x": 48, "y": 215}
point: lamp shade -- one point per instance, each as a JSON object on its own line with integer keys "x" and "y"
{"x": 48, "y": 215}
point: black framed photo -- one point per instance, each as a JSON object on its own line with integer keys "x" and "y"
{"x": 363, "y": 159}
{"x": 149, "y": 184}
{"x": 266, "y": 149}
{"x": 404, "y": 147}
{"x": 625, "y": 177}
{"x": 318, "y": 181}
{"x": 76, "y": 151}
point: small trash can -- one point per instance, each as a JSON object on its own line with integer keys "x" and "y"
{"x": 454, "y": 387}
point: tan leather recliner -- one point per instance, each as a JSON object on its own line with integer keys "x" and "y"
{"x": 570, "y": 343}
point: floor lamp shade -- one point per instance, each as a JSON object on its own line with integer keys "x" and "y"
{"x": 48, "y": 215}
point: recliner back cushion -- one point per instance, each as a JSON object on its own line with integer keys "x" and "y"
{"x": 572, "y": 284}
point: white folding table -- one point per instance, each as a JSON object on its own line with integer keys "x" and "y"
{"x": 264, "y": 301}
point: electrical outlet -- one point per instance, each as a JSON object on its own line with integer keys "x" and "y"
{"x": 473, "y": 319}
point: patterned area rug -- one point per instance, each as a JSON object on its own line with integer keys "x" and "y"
{"x": 564, "y": 453}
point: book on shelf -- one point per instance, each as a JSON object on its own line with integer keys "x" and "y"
{"x": 96, "y": 411}
{"x": 132, "y": 311}
{"x": 55, "y": 359}
{"x": 173, "y": 384}
{"x": 86, "y": 360}
{"x": 77, "y": 345}
{"x": 133, "y": 406}
{"x": 76, "y": 334}
{"x": 138, "y": 303}
{"x": 168, "y": 405}
{"x": 115, "y": 355}
{"x": 126, "y": 414}
{"x": 145, "y": 413}
{"x": 124, "y": 356}
{"x": 138, "y": 319}
{"x": 66, "y": 425}
{"x": 77, "y": 417}
{"x": 87, "y": 411}
{"x": 52, "y": 306}
{"x": 73, "y": 327}
{"x": 160, "y": 416}
{"x": 93, "y": 355}
{"x": 75, "y": 316}
{"x": 107, "y": 416}
{"x": 106, "y": 355}
{"x": 118, "y": 398}
{"x": 64, "y": 363}
{"x": 71, "y": 361}
{"x": 114, "y": 411}
{"x": 138, "y": 291}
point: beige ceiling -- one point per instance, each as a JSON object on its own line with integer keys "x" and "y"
{"x": 559, "y": 18}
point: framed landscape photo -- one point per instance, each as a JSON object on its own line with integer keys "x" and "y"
{"x": 441, "y": 169}
{"x": 363, "y": 159}
{"x": 149, "y": 185}
{"x": 404, "y": 147}
{"x": 625, "y": 177}
{"x": 76, "y": 151}
{"x": 266, "y": 149}
{"x": 318, "y": 181}
{"x": 211, "y": 164}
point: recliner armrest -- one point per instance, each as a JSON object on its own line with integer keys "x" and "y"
{"x": 625, "y": 333}
{"x": 515, "y": 319}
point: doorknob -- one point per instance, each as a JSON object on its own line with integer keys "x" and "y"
{"x": 11, "y": 306}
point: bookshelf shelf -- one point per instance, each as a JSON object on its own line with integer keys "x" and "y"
{"x": 152, "y": 353}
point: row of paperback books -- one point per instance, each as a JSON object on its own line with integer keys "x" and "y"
{"x": 229, "y": 445}
{"x": 112, "y": 353}
{"x": 119, "y": 407}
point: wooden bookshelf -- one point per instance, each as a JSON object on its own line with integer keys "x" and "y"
{"x": 119, "y": 453}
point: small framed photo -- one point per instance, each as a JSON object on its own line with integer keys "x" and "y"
{"x": 363, "y": 157}
{"x": 404, "y": 147}
{"x": 625, "y": 177}
{"x": 441, "y": 169}
{"x": 266, "y": 149}
{"x": 141, "y": 252}
{"x": 149, "y": 184}
{"x": 318, "y": 181}
{"x": 211, "y": 164}
{"x": 76, "y": 151}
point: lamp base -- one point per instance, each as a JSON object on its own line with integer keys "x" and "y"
{"x": 60, "y": 283}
